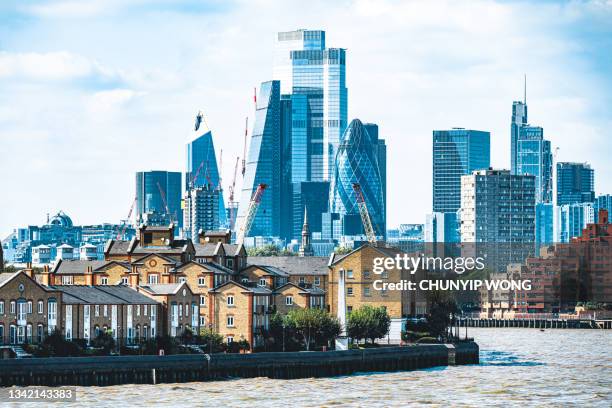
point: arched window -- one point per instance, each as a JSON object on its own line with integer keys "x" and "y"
{"x": 1, "y": 333}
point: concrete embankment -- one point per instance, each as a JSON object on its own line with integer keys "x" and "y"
{"x": 115, "y": 370}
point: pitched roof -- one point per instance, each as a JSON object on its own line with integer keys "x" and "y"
{"x": 232, "y": 249}
{"x": 294, "y": 265}
{"x": 315, "y": 290}
{"x": 216, "y": 268}
{"x": 208, "y": 249}
{"x": 6, "y": 276}
{"x": 163, "y": 288}
{"x": 386, "y": 251}
{"x": 120, "y": 247}
{"x": 167, "y": 259}
{"x": 99, "y": 295}
{"x": 272, "y": 270}
{"x": 75, "y": 266}
{"x": 108, "y": 264}
{"x": 254, "y": 289}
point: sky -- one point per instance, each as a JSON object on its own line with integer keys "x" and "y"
{"x": 93, "y": 91}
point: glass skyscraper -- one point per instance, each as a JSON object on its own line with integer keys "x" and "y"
{"x": 202, "y": 170}
{"x": 519, "y": 119}
{"x": 315, "y": 77}
{"x": 357, "y": 162}
{"x": 534, "y": 156}
{"x": 456, "y": 152}
{"x": 152, "y": 189}
{"x": 575, "y": 183}
{"x": 263, "y": 164}
{"x": 571, "y": 219}
{"x": 602, "y": 202}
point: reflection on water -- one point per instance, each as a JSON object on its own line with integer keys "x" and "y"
{"x": 521, "y": 367}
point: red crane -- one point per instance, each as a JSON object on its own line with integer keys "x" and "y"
{"x": 252, "y": 210}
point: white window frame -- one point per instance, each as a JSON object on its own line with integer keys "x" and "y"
{"x": 230, "y": 300}
{"x": 153, "y": 279}
{"x": 289, "y": 300}
{"x": 202, "y": 300}
{"x": 230, "y": 321}
{"x": 350, "y": 274}
{"x": 40, "y": 307}
{"x": 201, "y": 281}
{"x": 12, "y": 307}
{"x": 262, "y": 282}
{"x": 317, "y": 280}
{"x": 104, "y": 280}
{"x": 1, "y": 307}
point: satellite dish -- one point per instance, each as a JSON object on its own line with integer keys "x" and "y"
{"x": 198, "y": 120}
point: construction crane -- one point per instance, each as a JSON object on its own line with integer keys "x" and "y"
{"x": 195, "y": 175}
{"x": 365, "y": 215}
{"x": 246, "y": 131}
{"x": 126, "y": 221}
{"x": 251, "y": 212}
{"x": 232, "y": 187}
{"x": 163, "y": 197}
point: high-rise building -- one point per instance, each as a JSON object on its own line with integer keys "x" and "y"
{"x": 544, "y": 224}
{"x": 381, "y": 155}
{"x": 442, "y": 228}
{"x": 498, "y": 215}
{"x": 602, "y": 202}
{"x": 357, "y": 162}
{"x": 519, "y": 119}
{"x": 202, "y": 167}
{"x": 201, "y": 211}
{"x": 315, "y": 77}
{"x": 456, "y": 152}
{"x": 263, "y": 164}
{"x": 571, "y": 219}
{"x": 314, "y": 196}
{"x": 158, "y": 197}
{"x": 575, "y": 183}
{"x": 534, "y": 156}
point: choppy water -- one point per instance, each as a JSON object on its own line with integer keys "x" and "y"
{"x": 519, "y": 367}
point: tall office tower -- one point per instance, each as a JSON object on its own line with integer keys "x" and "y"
{"x": 456, "y": 152}
{"x": 357, "y": 162}
{"x": 201, "y": 211}
{"x": 571, "y": 219}
{"x": 263, "y": 164}
{"x": 498, "y": 214}
{"x": 534, "y": 156}
{"x": 314, "y": 196}
{"x": 602, "y": 202}
{"x": 315, "y": 77}
{"x": 519, "y": 119}
{"x": 575, "y": 183}
{"x": 544, "y": 224}
{"x": 158, "y": 198}
{"x": 381, "y": 155}
{"x": 442, "y": 228}
{"x": 202, "y": 170}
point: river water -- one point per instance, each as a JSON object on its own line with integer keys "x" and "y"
{"x": 519, "y": 367}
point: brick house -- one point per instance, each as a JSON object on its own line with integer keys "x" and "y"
{"x": 179, "y": 307}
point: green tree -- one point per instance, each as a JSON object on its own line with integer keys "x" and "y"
{"x": 266, "y": 250}
{"x": 104, "y": 341}
{"x": 441, "y": 307}
{"x": 211, "y": 340}
{"x": 342, "y": 250}
{"x": 368, "y": 322}
{"x": 313, "y": 325}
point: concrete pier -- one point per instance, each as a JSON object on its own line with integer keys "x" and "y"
{"x": 103, "y": 371}
{"x": 537, "y": 323}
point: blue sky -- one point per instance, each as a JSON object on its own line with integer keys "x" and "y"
{"x": 92, "y": 91}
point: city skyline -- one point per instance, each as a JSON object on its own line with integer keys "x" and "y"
{"x": 125, "y": 106}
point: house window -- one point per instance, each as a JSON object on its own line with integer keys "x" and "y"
{"x": 1, "y": 333}
{"x": 124, "y": 280}
{"x": 349, "y": 309}
{"x": 349, "y": 274}
{"x": 201, "y": 281}
{"x": 230, "y": 301}
{"x": 145, "y": 331}
{"x": 145, "y": 309}
{"x": 2, "y": 307}
{"x": 182, "y": 279}
{"x": 97, "y": 310}
{"x": 366, "y": 274}
{"x": 317, "y": 281}
{"x": 186, "y": 309}
{"x": 137, "y": 310}
{"x": 40, "y": 307}
{"x": 385, "y": 275}
{"x": 383, "y": 292}
{"x": 262, "y": 282}
{"x": 202, "y": 300}
{"x": 180, "y": 308}
{"x": 202, "y": 321}
{"x": 40, "y": 333}
{"x": 152, "y": 279}
{"x": 12, "y": 307}
{"x": 29, "y": 307}
{"x": 302, "y": 280}
{"x": 67, "y": 280}
{"x": 105, "y": 310}
{"x": 229, "y": 263}
{"x": 289, "y": 300}
{"x": 230, "y": 321}
{"x": 349, "y": 291}
{"x": 104, "y": 280}
{"x": 366, "y": 291}
{"x": 245, "y": 280}
{"x": 230, "y": 339}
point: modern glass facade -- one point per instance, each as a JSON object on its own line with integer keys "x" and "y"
{"x": 442, "y": 228}
{"x": 544, "y": 224}
{"x": 456, "y": 152}
{"x": 575, "y": 183}
{"x": 150, "y": 185}
{"x": 534, "y": 156}
{"x": 310, "y": 195}
{"x": 357, "y": 162}
{"x": 201, "y": 155}
{"x": 519, "y": 119}
{"x": 571, "y": 219}
{"x": 602, "y": 202}
{"x": 263, "y": 164}
{"x": 315, "y": 76}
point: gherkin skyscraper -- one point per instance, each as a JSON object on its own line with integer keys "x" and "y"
{"x": 357, "y": 162}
